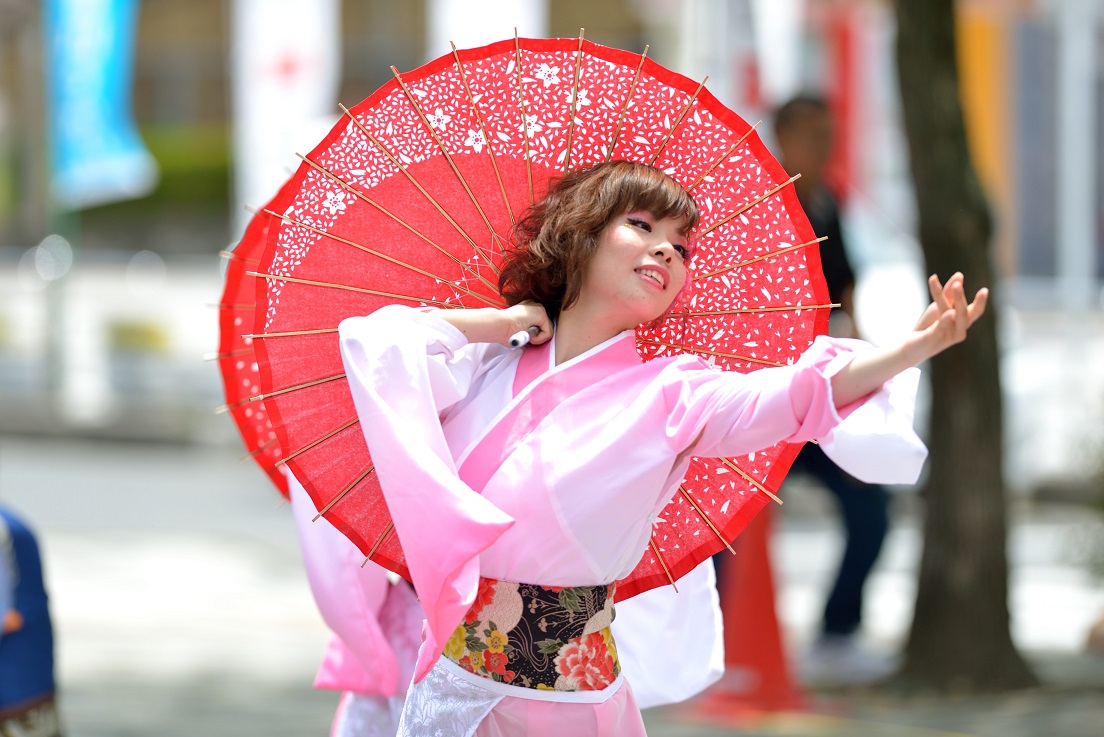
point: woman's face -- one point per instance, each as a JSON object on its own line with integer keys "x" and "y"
{"x": 638, "y": 269}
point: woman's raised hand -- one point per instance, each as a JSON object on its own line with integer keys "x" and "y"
{"x": 946, "y": 320}
{"x": 943, "y": 324}
{"x": 529, "y": 316}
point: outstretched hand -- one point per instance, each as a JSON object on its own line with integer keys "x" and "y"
{"x": 944, "y": 323}
{"x": 946, "y": 320}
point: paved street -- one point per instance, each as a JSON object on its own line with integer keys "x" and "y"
{"x": 181, "y": 607}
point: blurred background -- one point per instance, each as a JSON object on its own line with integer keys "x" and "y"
{"x": 135, "y": 135}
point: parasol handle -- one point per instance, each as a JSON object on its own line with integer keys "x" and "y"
{"x": 522, "y": 337}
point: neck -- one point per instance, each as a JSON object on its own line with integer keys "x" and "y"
{"x": 577, "y": 331}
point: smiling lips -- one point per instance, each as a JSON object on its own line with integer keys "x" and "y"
{"x": 654, "y": 273}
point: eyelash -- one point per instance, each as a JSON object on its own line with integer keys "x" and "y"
{"x": 682, "y": 251}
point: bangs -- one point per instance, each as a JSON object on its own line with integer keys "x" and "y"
{"x": 641, "y": 187}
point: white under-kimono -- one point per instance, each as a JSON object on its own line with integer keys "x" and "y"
{"x": 499, "y": 463}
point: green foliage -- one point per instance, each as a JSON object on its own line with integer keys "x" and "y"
{"x": 194, "y": 163}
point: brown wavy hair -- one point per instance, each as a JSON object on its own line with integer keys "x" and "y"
{"x": 557, "y": 237}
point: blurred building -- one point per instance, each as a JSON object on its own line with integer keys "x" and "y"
{"x": 102, "y": 329}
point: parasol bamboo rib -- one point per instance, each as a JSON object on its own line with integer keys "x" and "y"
{"x": 691, "y": 349}
{"x": 223, "y": 306}
{"x": 448, "y": 158}
{"x": 655, "y": 551}
{"x": 717, "y": 162}
{"x": 313, "y": 443}
{"x": 330, "y": 285}
{"x": 483, "y": 132}
{"x": 763, "y": 257}
{"x": 574, "y": 101}
{"x": 749, "y": 310}
{"x": 235, "y": 257}
{"x": 625, "y": 107}
{"x": 343, "y": 492}
{"x": 410, "y": 177}
{"x": 524, "y": 116}
{"x": 260, "y": 450}
{"x": 379, "y": 541}
{"x": 227, "y": 354}
{"x": 744, "y": 208}
{"x": 704, "y": 516}
{"x": 385, "y": 257}
{"x": 750, "y": 480}
{"x": 290, "y": 333}
{"x": 224, "y": 408}
{"x": 327, "y": 173}
{"x": 678, "y": 122}
{"x": 297, "y": 387}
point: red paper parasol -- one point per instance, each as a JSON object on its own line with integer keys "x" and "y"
{"x": 411, "y": 198}
{"x": 241, "y": 378}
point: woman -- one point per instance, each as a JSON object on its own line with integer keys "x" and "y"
{"x": 514, "y": 476}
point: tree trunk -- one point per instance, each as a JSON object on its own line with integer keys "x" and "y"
{"x": 960, "y": 638}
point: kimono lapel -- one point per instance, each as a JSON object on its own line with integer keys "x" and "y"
{"x": 538, "y": 389}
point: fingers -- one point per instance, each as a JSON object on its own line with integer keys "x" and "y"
{"x": 953, "y": 296}
{"x": 950, "y": 315}
{"x": 958, "y": 300}
{"x": 537, "y": 322}
{"x": 977, "y": 307}
{"x": 941, "y": 293}
{"x": 936, "y": 291}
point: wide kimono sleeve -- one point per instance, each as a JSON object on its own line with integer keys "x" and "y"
{"x": 404, "y": 368}
{"x": 671, "y": 644}
{"x": 350, "y": 599}
{"x": 716, "y": 414}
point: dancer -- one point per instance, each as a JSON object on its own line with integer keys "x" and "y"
{"x": 522, "y": 483}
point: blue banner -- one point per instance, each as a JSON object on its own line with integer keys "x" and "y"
{"x": 96, "y": 153}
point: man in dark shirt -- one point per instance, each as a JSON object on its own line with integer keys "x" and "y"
{"x": 803, "y": 128}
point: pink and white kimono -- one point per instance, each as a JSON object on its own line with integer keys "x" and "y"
{"x": 498, "y": 463}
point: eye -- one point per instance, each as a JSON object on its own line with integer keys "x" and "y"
{"x": 681, "y": 250}
{"x": 638, "y": 223}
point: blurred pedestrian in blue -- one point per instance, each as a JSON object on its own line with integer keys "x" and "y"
{"x": 803, "y": 129}
{"x": 27, "y": 704}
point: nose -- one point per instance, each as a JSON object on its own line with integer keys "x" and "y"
{"x": 664, "y": 250}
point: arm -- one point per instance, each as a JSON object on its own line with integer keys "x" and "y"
{"x": 490, "y": 325}
{"x": 403, "y": 368}
{"x": 942, "y": 325}
{"x": 717, "y": 416}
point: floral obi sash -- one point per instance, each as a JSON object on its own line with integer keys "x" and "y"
{"x": 548, "y": 638}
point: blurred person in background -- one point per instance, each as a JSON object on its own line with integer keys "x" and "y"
{"x": 803, "y": 128}
{"x": 27, "y": 705}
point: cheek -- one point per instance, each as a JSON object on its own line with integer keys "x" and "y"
{"x": 684, "y": 286}
{"x": 684, "y": 290}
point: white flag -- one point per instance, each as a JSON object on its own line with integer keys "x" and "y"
{"x": 286, "y": 67}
